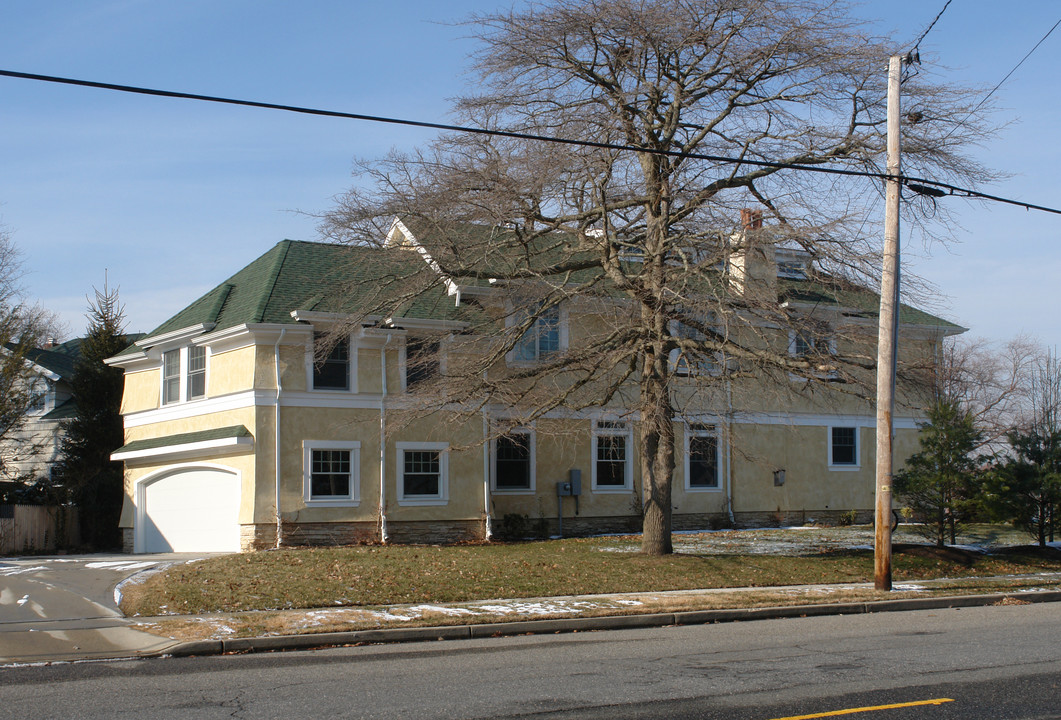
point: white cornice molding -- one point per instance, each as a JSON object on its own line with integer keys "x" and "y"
{"x": 175, "y": 336}
{"x": 204, "y": 448}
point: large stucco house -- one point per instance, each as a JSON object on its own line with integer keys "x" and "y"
{"x": 240, "y": 436}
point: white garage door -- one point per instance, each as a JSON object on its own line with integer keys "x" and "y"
{"x": 193, "y": 510}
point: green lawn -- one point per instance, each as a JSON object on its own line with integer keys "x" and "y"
{"x": 400, "y": 574}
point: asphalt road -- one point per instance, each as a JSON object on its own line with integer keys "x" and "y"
{"x": 63, "y": 608}
{"x": 990, "y": 662}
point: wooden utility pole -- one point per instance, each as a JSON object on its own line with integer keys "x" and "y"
{"x": 887, "y": 342}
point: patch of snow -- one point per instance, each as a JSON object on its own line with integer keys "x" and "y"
{"x": 454, "y": 611}
{"x": 120, "y": 565}
{"x": 910, "y": 587}
{"x": 9, "y": 570}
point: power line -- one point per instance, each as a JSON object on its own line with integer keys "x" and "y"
{"x": 923, "y": 186}
{"x": 1002, "y": 81}
{"x": 917, "y": 43}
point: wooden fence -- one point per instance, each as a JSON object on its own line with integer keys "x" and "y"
{"x": 37, "y": 528}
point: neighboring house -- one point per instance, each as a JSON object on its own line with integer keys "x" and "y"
{"x": 32, "y": 450}
{"x": 235, "y": 435}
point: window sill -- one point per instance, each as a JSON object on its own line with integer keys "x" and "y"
{"x": 844, "y": 468}
{"x": 689, "y": 489}
{"x": 427, "y": 502}
{"x": 344, "y": 502}
{"x": 513, "y": 491}
{"x": 611, "y": 489}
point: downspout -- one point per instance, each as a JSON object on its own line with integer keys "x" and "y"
{"x": 729, "y": 451}
{"x": 383, "y": 442}
{"x": 276, "y": 438}
{"x": 489, "y": 530}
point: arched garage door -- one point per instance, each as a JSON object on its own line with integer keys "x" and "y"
{"x": 189, "y": 510}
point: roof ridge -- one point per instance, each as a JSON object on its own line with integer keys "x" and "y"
{"x": 274, "y": 275}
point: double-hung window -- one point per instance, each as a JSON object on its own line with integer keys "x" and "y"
{"x": 843, "y": 448}
{"x": 183, "y": 374}
{"x": 331, "y": 472}
{"x": 331, "y": 369}
{"x": 514, "y": 462}
{"x": 423, "y": 473}
{"x": 196, "y": 387}
{"x": 422, "y": 362}
{"x": 541, "y": 339}
{"x": 612, "y": 456}
{"x": 806, "y": 342}
{"x": 701, "y": 457}
{"x": 691, "y": 360}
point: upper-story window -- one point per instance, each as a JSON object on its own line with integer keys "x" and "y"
{"x": 422, "y": 362}
{"x": 542, "y": 339}
{"x": 183, "y": 374}
{"x": 802, "y": 343}
{"x": 332, "y": 370}
{"x": 38, "y": 395}
{"x": 690, "y": 360}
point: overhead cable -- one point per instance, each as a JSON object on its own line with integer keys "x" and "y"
{"x": 950, "y": 189}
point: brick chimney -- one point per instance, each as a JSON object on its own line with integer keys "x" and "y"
{"x": 752, "y": 266}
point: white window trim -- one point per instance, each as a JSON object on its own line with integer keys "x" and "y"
{"x": 351, "y": 500}
{"x": 351, "y": 365}
{"x": 182, "y": 377}
{"x": 691, "y": 432}
{"x": 529, "y": 431}
{"x": 513, "y": 318}
{"x": 443, "y": 469}
{"x": 628, "y": 433}
{"x": 845, "y": 467}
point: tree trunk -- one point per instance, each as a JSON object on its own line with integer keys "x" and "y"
{"x": 657, "y": 440}
{"x": 657, "y": 464}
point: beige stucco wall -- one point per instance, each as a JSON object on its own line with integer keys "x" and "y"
{"x": 231, "y": 371}
{"x": 142, "y": 390}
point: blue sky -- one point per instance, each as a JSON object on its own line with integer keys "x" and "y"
{"x": 170, "y": 197}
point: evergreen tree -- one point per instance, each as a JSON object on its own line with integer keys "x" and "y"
{"x": 940, "y": 483}
{"x": 1026, "y": 489}
{"x": 91, "y": 480}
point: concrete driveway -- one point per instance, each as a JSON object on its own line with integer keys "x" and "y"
{"x": 61, "y": 608}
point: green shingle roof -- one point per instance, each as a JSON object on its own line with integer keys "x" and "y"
{"x": 330, "y": 278}
{"x": 322, "y": 277}
{"x": 865, "y": 302}
{"x": 233, "y": 431}
{"x": 59, "y": 359}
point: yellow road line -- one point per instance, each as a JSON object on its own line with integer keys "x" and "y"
{"x": 871, "y": 708}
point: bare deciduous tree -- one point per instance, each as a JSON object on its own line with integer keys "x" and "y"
{"x": 646, "y": 240}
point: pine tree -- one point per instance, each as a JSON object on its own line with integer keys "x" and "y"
{"x": 940, "y": 483}
{"x": 90, "y": 478}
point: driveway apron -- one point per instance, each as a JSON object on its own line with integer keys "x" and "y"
{"x": 63, "y": 608}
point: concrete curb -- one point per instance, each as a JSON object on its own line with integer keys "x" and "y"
{"x": 580, "y": 624}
